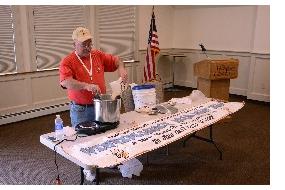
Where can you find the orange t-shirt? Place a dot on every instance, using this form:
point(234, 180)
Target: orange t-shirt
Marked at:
point(70, 66)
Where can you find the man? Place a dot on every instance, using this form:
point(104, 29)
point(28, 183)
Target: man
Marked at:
point(82, 74)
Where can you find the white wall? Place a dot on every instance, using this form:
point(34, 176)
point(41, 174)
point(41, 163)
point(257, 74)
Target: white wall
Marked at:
point(230, 28)
point(217, 27)
point(221, 28)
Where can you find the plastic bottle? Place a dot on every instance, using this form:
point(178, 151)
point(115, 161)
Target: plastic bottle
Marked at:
point(59, 133)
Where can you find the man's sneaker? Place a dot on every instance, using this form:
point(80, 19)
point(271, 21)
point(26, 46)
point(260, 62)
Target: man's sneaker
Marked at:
point(90, 175)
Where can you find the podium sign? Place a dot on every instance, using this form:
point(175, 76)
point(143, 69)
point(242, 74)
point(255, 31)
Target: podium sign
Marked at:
point(214, 77)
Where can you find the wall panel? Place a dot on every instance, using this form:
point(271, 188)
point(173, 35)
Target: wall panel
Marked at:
point(259, 78)
point(46, 89)
point(240, 84)
point(13, 94)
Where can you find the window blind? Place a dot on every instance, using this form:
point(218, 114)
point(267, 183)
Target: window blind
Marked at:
point(53, 27)
point(116, 27)
point(7, 41)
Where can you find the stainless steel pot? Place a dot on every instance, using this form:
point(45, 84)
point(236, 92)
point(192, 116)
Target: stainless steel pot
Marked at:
point(106, 109)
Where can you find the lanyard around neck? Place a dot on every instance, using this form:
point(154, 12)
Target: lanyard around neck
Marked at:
point(88, 71)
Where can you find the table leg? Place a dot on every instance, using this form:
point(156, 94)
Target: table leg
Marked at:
point(147, 158)
point(97, 179)
point(82, 176)
point(211, 140)
point(167, 150)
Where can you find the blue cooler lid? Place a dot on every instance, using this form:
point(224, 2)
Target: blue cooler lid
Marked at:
point(144, 86)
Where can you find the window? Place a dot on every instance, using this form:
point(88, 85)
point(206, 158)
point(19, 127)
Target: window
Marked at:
point(7, 41)
point(116, 28)
point(53, 27)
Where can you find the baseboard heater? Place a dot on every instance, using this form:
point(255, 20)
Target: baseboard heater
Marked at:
point(36, 112)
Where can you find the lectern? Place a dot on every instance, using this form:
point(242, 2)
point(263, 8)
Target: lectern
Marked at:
point(214, 76)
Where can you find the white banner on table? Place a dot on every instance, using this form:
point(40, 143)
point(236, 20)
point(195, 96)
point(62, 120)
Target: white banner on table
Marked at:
point(129, 143)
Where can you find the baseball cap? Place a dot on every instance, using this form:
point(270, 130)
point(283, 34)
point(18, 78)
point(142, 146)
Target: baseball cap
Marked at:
point(81, 34)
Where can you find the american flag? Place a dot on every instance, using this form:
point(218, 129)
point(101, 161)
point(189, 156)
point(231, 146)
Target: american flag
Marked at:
point(152, 51)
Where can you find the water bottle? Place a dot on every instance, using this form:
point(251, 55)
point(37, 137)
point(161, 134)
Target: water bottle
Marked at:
point(58, 128)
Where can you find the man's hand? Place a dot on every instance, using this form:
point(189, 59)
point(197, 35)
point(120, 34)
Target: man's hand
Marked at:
point(122, 72)
point(92, 88)
point(124, 75)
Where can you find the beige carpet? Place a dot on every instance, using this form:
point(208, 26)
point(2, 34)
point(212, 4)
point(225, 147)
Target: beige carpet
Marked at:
point(244, 143)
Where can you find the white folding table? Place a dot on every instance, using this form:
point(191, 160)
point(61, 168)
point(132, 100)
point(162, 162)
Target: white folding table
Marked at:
point(125, 123)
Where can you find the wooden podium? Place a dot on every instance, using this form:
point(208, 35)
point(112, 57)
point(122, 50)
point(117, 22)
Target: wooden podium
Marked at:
point(214, 77)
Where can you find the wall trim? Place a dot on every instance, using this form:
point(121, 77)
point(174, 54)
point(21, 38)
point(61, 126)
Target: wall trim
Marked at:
point(184, 83)
point(238, 91)
point(259, 97)
point(32, 113)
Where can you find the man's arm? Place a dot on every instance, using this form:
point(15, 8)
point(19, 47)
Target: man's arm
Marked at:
point(71, 83)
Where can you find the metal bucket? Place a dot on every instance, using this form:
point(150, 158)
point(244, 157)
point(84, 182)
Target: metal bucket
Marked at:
point(106, 109)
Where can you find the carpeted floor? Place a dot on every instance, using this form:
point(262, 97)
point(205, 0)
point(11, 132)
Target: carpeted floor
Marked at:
point(244, 142)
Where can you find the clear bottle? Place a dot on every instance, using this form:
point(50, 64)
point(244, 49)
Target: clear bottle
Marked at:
point(58, 128)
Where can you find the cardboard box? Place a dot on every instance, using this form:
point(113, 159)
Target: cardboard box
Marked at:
point(218, 89)
point(217, 69)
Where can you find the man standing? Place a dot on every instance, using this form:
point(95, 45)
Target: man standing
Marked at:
point(82, 74)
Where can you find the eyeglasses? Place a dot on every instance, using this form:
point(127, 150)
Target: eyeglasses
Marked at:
point(85, 46)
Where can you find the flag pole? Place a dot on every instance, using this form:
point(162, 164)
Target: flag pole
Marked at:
point(151, 25)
